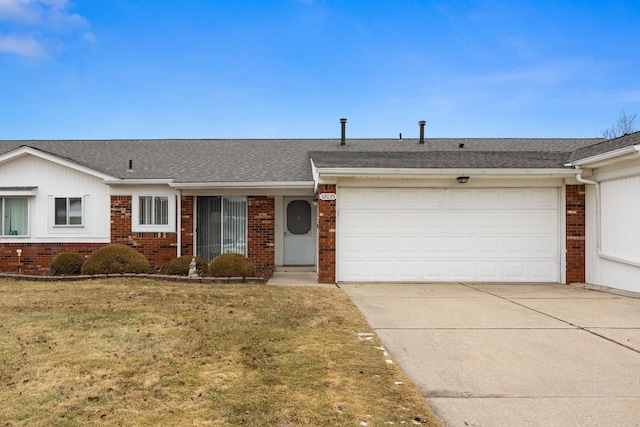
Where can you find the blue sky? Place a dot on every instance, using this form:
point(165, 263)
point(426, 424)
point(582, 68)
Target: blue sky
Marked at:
point(94, 69)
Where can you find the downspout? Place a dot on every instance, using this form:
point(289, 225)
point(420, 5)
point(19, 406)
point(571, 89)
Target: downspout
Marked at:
point(179, 224)
point(601, 254)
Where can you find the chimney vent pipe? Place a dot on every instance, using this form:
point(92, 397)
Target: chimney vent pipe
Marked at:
point(343, 138)
point(422, 123)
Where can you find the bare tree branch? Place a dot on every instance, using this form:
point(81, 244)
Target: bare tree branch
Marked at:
point(625, 124)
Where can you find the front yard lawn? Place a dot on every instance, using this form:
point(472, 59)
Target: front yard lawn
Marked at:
point(142, 352)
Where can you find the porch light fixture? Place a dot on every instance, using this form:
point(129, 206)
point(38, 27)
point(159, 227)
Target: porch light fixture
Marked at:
point(463, 179)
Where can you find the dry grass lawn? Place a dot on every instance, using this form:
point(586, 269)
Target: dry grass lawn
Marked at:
point(139, 352)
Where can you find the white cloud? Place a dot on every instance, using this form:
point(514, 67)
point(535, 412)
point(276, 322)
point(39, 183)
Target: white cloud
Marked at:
point(22, 46)
point(50, 19)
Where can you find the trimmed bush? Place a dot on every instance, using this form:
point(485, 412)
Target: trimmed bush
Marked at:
point(66, 263)
point(180, 266)
point(231, 265)
point(114, 259)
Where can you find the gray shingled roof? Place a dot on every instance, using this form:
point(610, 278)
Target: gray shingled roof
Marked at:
point(282, 160)
point(606, 146)
point(440, 159)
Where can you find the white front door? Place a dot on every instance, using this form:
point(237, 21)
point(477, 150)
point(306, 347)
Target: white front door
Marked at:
point(299, 231)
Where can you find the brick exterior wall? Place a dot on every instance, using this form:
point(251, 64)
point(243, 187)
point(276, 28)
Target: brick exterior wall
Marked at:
point(575, 238)
point(261, 229)
point(187, 228)
point(326, 236)
point(158, 248)
point(36, 257)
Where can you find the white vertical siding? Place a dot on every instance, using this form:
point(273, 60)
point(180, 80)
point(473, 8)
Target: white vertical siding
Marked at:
point(620, 207)
point(54, 180)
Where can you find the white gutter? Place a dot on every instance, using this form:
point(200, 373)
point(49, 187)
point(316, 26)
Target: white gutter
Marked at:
point(441, 172)
point(241, 185)
point(601, 254)
point(154, 181)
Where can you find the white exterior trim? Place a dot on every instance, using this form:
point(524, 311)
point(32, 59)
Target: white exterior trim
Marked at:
point(611, 155)
point(24, 151)
point(241, 185)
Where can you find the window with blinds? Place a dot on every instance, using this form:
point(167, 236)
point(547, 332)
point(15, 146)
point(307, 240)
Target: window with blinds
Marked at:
point(221, 226)
point(154, 210)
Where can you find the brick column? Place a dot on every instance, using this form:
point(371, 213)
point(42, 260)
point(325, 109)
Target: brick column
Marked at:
point(186, 230)
point(575, 230)
point(326, 236)
point(121, 219)
point(261, 229)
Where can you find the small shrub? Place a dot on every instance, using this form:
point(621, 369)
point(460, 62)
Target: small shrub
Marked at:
point(180, 266)
point(231, 265)
point(265, 270)
point(115, 258)
point(66, 263)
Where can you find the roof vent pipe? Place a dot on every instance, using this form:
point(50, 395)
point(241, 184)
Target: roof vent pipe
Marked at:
point(422, 123)
point(343, 138)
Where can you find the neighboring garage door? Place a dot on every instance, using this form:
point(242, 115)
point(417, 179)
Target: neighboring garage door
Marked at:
point(430, 234)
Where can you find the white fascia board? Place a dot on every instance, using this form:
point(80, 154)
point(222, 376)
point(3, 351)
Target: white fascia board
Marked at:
point(24, 151)
point(138, 181)
point(18, 191)
point(242, 185)
point(439, 173)
point(611, 155)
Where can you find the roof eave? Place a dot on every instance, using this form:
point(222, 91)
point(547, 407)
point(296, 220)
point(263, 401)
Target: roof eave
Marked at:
point(26, 151)
point(603, 158)
point(242, 185)
point(442, 172)
point(153, 181)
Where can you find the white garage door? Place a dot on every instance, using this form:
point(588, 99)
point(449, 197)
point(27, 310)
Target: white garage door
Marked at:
point(428, 234)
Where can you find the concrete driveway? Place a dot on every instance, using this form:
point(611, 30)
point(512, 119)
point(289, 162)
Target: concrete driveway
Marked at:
point(513, 354)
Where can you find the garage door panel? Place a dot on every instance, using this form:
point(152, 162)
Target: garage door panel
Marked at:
point(460, 199)
point(542, 199)
point(420, 234)
point(515, 270)
point(544, 221)
point(489, 270)
point(516, 198)
point(488, 245)
point(353, 198)
point(379, 222)
point(407, 270)
point(354, 221)
point(543, 245)
point(406, 198)
point(543, 270)
point(515, 222)
point(515, 245)
point(432, 198)
point(407, 245)
point(407, 221)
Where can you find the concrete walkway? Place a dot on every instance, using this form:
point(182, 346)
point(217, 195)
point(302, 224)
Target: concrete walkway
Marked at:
point(297, 278)
point(513, 354)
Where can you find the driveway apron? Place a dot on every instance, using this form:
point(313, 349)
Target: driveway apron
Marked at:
point(513, 354)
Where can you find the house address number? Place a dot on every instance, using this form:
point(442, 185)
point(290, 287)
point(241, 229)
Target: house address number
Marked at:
point(327, 196)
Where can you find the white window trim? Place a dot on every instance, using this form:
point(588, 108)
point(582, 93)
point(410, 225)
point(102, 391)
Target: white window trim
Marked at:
point(82, 213)
point(136, 227)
